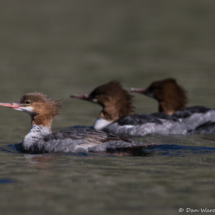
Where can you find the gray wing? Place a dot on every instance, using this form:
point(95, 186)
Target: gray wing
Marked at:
point(161, 115)
point(83, 140)
point(186, 112)
point(137, 119)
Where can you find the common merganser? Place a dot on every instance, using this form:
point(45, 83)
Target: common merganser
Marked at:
point(40, 138)
point(116, 116)
point(172, 100)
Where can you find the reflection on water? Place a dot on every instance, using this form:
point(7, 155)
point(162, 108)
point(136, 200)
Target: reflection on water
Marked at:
point(67, 47)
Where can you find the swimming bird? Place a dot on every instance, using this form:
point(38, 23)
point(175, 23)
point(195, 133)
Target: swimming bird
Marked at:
point(40, 138)
point(172, 100)
point(116, 115)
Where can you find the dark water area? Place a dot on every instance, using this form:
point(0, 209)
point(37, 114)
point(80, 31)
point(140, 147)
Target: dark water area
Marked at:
point(70, 47)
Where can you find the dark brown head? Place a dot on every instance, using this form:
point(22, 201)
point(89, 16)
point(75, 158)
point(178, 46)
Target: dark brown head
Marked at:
point(116, 101)
point(42, 109)
point(168, 93)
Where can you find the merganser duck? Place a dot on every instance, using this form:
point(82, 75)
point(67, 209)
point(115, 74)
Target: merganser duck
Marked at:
point(172, 100)
point(40, 138)
point(116, 116)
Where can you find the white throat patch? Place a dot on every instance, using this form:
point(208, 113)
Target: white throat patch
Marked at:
point(28, 110)
point(101, 123)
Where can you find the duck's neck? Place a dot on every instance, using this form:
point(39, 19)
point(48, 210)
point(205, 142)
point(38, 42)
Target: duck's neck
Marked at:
point(109, 114)
point(166, 108)
point(36, 132)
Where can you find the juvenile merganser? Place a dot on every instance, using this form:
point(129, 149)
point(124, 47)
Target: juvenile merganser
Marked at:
point(172, 100)
point(116, 117)
point(40, 138)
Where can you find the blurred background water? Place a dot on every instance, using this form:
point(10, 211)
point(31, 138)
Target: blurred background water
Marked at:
point(70, 47)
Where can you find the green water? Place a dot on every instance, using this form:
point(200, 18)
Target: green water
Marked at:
point(70, 47)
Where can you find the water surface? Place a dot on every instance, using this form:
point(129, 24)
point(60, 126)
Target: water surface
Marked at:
point(70, 47)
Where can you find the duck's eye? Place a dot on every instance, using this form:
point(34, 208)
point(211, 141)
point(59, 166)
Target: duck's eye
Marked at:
point(96, 94)
point(27, 102)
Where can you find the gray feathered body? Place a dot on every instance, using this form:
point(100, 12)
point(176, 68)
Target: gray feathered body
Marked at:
point(143, 124)
point(81, 140)
point(196, 116)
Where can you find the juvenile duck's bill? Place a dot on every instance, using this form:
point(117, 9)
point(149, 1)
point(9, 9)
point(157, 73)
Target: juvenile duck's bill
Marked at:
point(138, 90)
point(83, 97)
point(10, 105)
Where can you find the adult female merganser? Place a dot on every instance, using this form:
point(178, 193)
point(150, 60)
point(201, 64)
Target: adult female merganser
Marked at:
point(40, 138)
point(116, 117)
point(172, 100)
